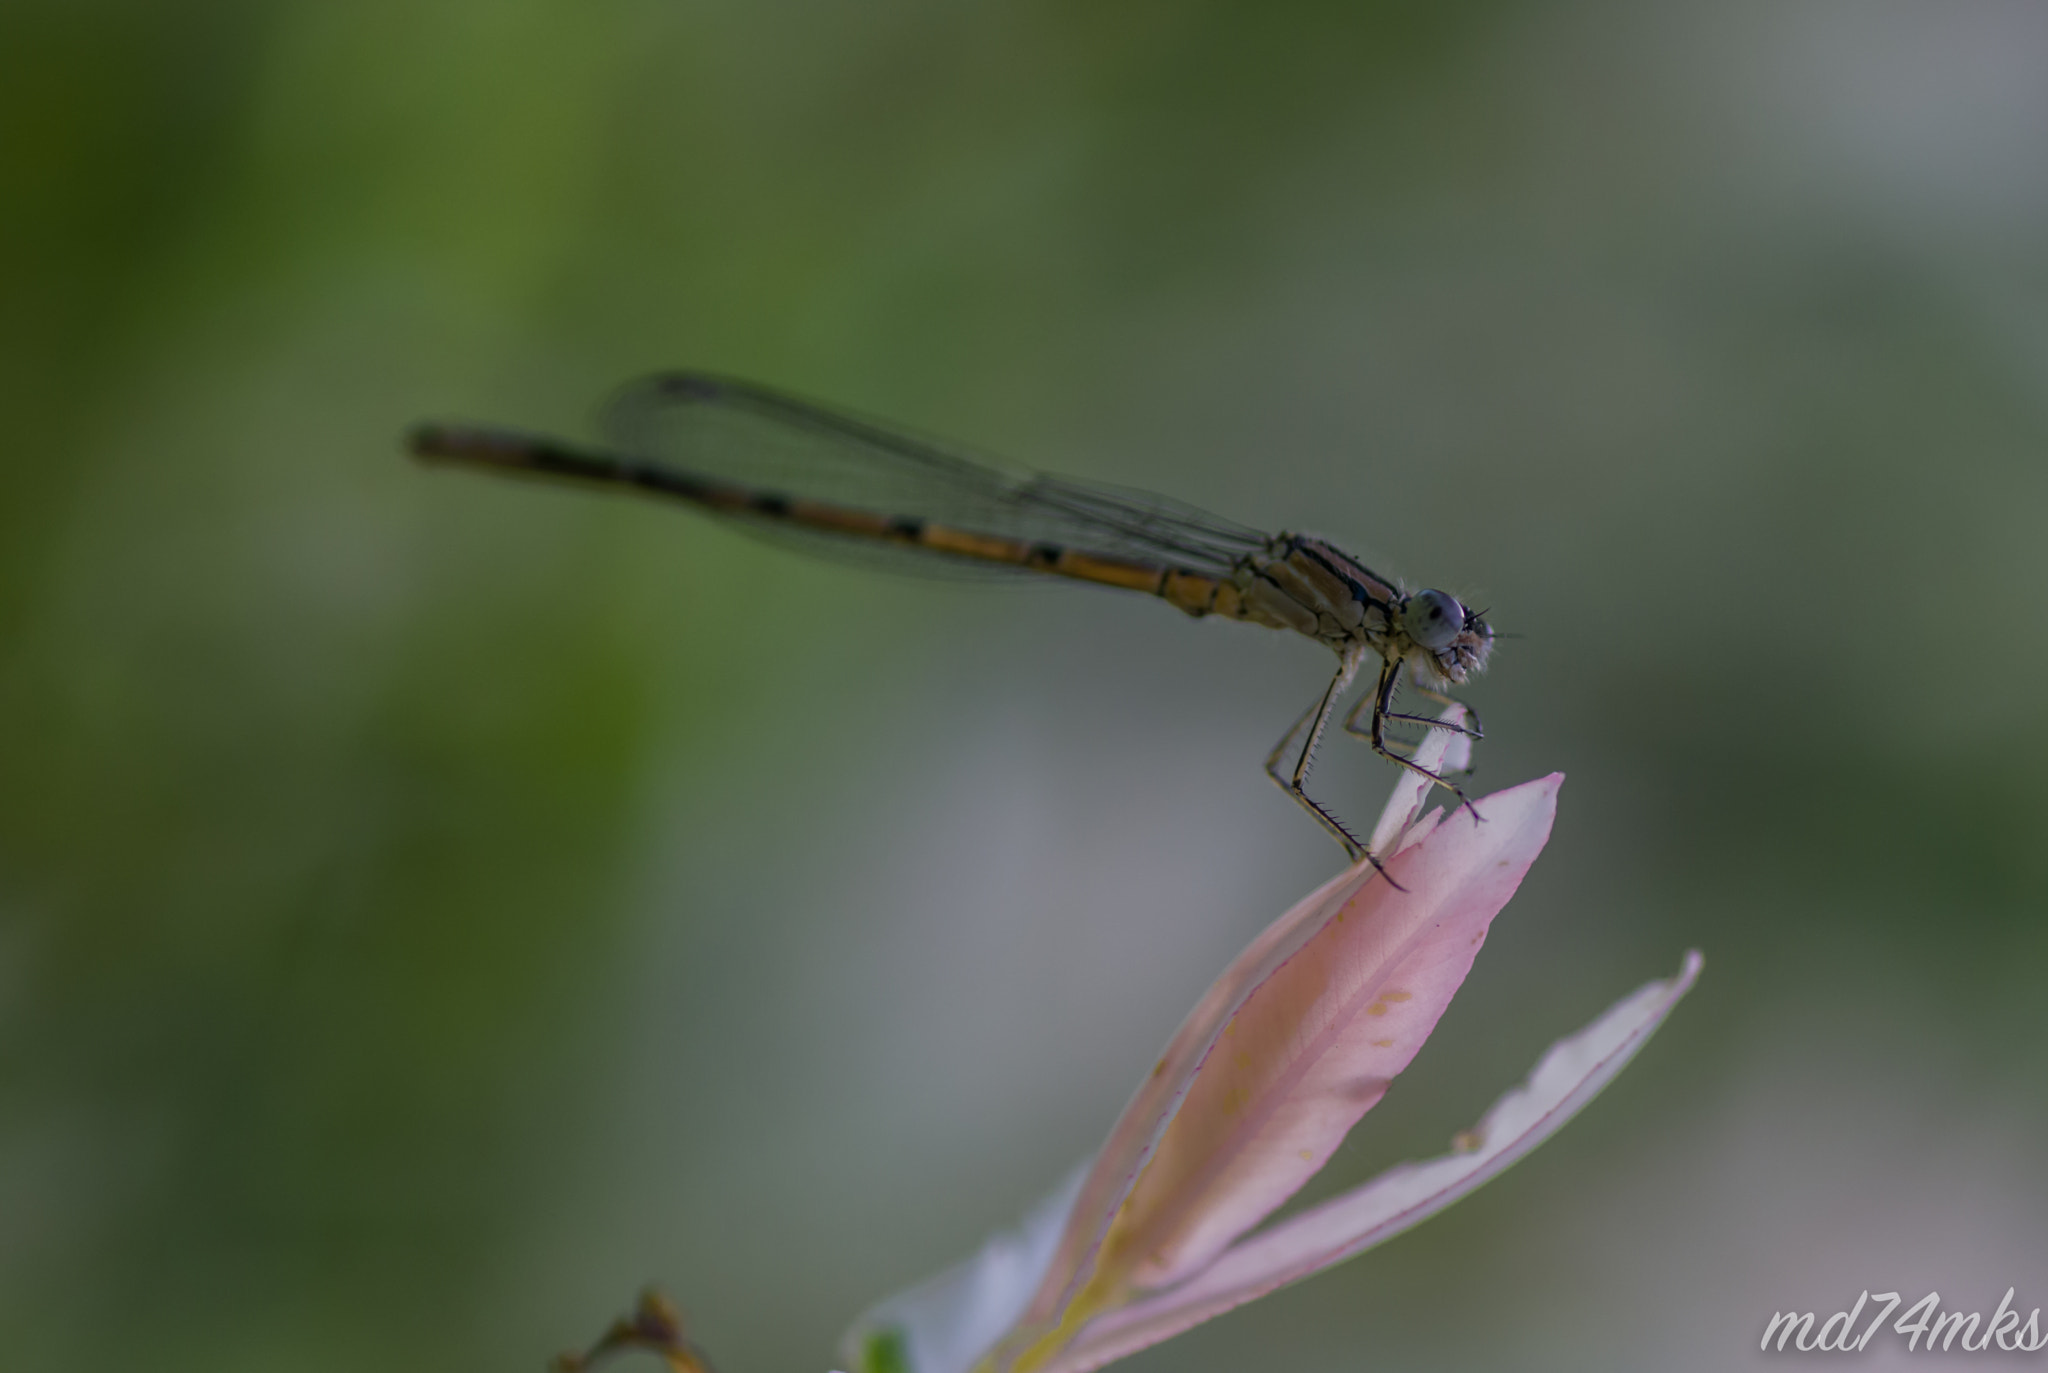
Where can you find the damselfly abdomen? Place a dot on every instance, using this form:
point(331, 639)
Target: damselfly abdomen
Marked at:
point(798, 470)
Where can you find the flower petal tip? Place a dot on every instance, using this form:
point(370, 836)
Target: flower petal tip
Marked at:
point(1689, 972)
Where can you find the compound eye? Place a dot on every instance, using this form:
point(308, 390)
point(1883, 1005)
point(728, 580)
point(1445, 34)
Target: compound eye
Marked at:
point(1432, 619)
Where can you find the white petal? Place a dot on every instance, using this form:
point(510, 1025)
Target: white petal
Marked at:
point(1440, 749)
point(946, 1322)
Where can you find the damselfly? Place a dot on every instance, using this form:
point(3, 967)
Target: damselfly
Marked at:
point(793, 469)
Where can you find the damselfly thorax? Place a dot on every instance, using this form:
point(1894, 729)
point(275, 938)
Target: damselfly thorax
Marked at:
point(800, 472)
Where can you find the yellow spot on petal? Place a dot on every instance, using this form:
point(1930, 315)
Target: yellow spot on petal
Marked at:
point(1383, 1044)
point(1308, 1155)
point(1396, 996)
point(1465, 1141)
point(1159, 1068)
point(1377, 1008)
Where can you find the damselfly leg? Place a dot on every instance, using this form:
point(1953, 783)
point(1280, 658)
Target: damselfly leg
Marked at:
point(1313, 721)
point(1381, 700)
point(1472, 729)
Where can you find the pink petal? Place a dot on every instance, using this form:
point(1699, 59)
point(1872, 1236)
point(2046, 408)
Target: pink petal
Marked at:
point(1138, 1129)
point(1569, 1075)
point(1315, 1045)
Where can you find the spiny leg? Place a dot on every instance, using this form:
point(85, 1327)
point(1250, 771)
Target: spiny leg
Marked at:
point(1407, 749)
point(1318, 709)
point(1381, 700)
point(1314, 719)
point(1473, 730)
point(1273, 758)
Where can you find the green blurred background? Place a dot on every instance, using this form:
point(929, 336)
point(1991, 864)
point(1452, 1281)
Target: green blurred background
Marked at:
point(431, 908)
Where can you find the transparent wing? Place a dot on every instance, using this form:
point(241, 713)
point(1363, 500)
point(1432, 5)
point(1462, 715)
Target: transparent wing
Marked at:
point(852, 550)
point(747, 435)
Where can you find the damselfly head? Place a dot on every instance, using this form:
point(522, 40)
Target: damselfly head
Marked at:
point(1451, 642)
point(1432, 619)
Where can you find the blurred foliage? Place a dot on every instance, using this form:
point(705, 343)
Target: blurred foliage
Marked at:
point(429, 910)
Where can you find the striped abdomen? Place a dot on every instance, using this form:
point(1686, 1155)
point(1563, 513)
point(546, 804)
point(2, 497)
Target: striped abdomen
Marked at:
point(1195, 592)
